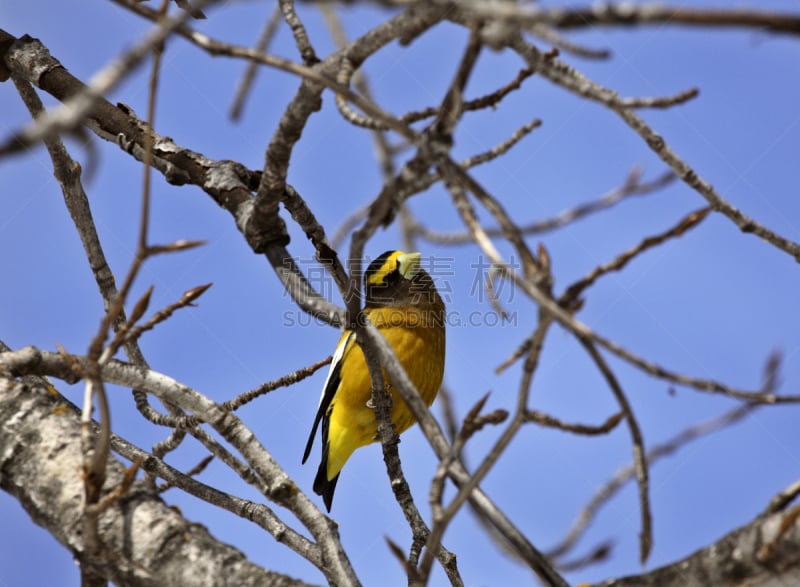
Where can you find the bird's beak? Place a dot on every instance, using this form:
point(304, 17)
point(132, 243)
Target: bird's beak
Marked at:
point(408, 264)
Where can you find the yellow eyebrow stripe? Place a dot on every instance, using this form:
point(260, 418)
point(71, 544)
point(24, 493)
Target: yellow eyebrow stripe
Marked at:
point(388, 267)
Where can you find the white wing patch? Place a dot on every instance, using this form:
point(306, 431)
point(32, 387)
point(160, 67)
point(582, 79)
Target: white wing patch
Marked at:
point(337, 358)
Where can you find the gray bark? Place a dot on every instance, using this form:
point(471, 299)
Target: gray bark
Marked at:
point(145, 542)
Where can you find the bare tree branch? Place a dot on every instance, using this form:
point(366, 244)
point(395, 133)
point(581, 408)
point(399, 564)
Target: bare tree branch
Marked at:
point(761, 553)
point(108, 530)
point(42, 429)
point(266, 475)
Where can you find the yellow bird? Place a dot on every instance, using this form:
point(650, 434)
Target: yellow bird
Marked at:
point(402, 302)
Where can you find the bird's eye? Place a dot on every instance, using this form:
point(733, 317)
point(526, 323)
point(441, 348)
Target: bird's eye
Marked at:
point(392, 277)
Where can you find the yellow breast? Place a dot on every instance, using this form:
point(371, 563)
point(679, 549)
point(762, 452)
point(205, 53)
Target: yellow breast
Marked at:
point(419, 345)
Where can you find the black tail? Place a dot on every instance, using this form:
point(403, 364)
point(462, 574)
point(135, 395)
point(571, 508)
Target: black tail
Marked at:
point(322, 486)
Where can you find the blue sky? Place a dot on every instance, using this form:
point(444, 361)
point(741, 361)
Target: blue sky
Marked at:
point(712, 304)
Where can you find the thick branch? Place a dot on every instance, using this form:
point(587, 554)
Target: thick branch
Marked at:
point(631, 14)
point(763, 553)
point(145, 542)
point(273, 483)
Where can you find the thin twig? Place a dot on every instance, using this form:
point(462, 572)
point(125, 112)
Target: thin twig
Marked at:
point(488, 101)
point(686, 223)
point(299, 32)
point(548, 421)
point(251, 68)
point(531, 268)
point(582, 331)
point(503, 147)
point(659, 451)
point(571, 80)
point(442, 517)
point(551, 36)
point(661, 101)
point(639, 458)
point(631, 187)
point(264, 388)
point(782, 500)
